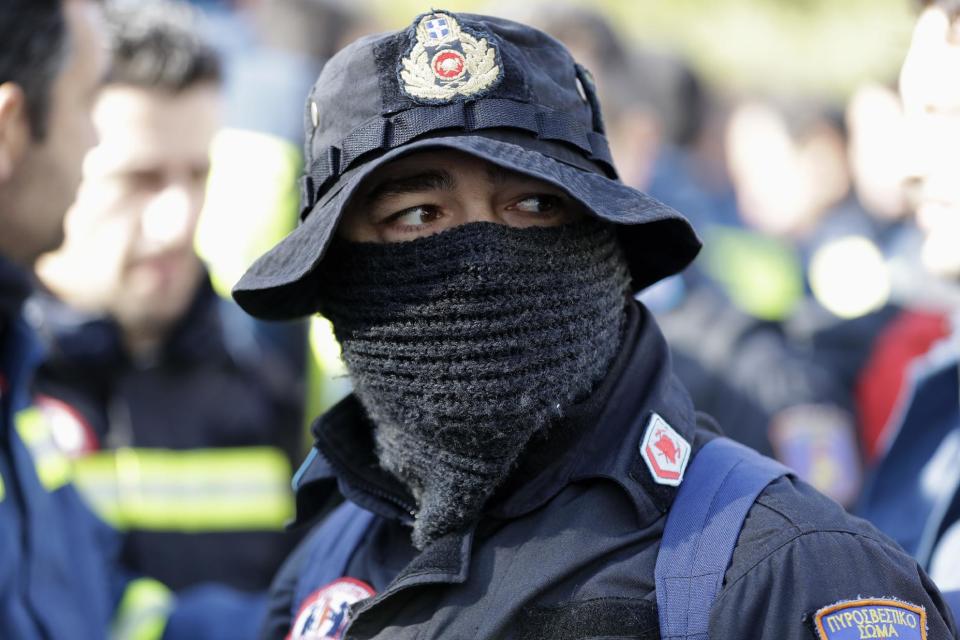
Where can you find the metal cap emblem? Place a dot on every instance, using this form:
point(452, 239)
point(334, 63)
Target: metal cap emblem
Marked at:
point(446, 61)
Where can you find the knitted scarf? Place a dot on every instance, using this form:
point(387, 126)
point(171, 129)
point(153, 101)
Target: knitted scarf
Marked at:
point(465, 344)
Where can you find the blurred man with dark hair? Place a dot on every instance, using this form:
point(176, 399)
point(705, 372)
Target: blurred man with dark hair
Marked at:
point(59, 570)
point(54, 581)
point(914, 493)
point(148, 366)
point(50, 67)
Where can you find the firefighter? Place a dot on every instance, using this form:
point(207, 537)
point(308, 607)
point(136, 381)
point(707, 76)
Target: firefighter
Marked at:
point(517, 458)
point(148, 368)
point(60, 570)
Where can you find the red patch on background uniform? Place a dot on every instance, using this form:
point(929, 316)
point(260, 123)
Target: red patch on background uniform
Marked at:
point(880, 384)
point(665, 451)
point(325, 613)
point(70, 431)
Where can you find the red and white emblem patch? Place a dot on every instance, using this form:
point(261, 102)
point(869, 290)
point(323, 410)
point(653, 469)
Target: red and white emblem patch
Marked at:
point(665, 452)
point(449, 64)
point(70, 431)
point(325, 613)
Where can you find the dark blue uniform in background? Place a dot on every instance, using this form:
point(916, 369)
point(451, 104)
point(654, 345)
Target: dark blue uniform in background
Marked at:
point(913, 494)
point(213, 425)
point(56, 558)
point(60, 569)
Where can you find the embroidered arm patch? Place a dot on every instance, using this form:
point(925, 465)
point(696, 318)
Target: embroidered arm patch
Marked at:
point(871, 618)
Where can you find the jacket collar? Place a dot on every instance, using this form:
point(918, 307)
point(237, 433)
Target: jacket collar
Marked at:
point(96, 341)
point(14, 290)
point(601, 440)
point(20, 351)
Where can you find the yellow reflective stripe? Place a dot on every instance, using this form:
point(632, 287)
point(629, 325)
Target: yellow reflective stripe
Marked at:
point(3, 489)
point(188, 490)
point(52, 465)
point(143, 611)
point(761, 275)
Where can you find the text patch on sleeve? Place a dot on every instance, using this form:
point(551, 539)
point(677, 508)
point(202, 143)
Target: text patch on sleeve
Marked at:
point(871, 618)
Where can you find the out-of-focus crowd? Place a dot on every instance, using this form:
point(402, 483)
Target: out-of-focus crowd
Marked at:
point(816, 325)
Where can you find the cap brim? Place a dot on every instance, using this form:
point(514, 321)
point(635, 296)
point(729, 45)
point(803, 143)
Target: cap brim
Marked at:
point(657, 240)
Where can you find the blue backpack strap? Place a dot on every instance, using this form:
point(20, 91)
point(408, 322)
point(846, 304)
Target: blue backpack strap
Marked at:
point(721, 484)
point(332, 544)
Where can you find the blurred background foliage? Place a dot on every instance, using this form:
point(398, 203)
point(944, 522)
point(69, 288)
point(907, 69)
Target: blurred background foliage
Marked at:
point(817, 47)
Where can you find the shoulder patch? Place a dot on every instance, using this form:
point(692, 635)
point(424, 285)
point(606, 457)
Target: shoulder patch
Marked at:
point(871, 618)
point(69, 429)
point(325, 613)
point(447, 61)
point(665, 451)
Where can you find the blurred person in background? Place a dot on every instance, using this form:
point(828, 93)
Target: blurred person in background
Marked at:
point(921, 301)
point(182, 420)
point(787, 160)
point(739, 369)
point(61, 576)
point(913, 493)
point(52, 60)
point(795, 170)
point(873, 308)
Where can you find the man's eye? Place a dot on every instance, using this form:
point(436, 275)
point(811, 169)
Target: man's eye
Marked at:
point(414, 216)
point(145, 180)
point(542, 203)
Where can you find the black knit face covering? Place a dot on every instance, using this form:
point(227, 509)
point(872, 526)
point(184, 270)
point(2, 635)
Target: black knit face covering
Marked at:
point(464, 344)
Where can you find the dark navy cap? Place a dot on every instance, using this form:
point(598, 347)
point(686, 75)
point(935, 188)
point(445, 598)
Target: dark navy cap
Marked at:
point(496, 89)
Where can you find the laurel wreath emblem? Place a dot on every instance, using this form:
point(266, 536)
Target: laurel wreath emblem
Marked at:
point(481, 65)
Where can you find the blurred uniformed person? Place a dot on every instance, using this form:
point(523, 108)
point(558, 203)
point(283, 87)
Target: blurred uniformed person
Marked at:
point(518, 460)
point(55, 557)
point(183, 420)
point(61, 574)
point(914, 492)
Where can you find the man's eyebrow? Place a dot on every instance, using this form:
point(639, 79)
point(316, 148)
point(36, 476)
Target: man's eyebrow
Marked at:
point(439, 180)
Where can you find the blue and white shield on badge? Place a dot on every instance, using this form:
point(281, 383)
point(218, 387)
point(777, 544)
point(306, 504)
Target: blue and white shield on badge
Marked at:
point(437, 29)
point(871, 618)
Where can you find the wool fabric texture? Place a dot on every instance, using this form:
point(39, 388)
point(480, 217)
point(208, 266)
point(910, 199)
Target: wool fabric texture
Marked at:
point(465, 344)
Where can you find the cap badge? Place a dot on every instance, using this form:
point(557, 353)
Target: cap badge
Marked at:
point(446, 62)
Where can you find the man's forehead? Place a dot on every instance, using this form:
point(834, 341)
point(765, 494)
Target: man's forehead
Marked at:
point(447, 163)
point(141, 130)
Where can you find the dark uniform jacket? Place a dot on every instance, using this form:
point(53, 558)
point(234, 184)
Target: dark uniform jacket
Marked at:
point(900, 498)
point(57, 577)
point(567, 548)
point(210, 427)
